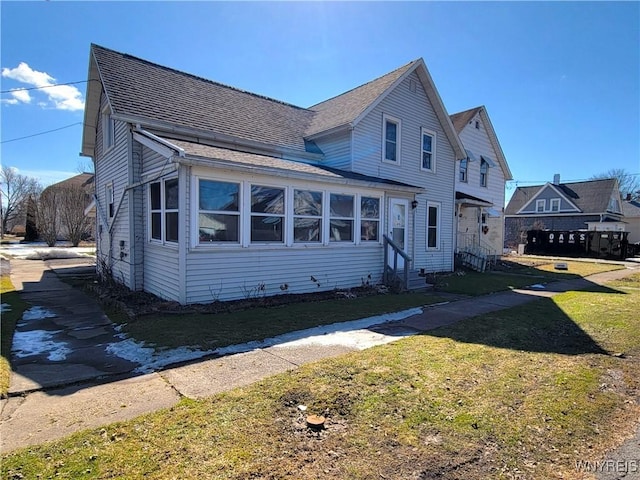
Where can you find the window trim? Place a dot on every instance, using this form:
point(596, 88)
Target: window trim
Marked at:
point(250, 213)
point(295, 216)
point(109, 200)
point(197, 212)
point(432, 134)
point(353, 218)
point(361, 218)
point(108, 129)
point(553, 201)
point(542, 202)
point(163, 213)
point(438, 226)
point(389, 119)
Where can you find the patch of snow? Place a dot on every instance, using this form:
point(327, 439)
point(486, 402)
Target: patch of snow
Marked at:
point(150, 359)
point(38, 342)
point(5, 307)
point(35, 313)
point(40, 251)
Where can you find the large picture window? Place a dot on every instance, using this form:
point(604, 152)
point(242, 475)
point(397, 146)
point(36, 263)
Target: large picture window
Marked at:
point(341, 218)
point(369, 219)
point(218, 211)
point(163, 198)
point(267, 214)
point(307, 216)
point(433, 225)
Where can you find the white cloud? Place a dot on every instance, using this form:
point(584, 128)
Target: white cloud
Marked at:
point(63, 97)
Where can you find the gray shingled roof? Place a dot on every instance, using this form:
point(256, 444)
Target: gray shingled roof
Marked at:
point(249, 160)
point(631, 208)
point(347, 107)
point(590, 197)
point(461, 119)
point(140, 88)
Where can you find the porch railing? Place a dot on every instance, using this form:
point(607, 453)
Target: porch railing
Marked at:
point(474, 253)
point(391, 276)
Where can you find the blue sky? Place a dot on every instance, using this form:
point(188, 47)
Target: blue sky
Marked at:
point(560, 80)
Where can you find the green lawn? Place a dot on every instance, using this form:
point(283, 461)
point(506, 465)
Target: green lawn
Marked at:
point(521, 393)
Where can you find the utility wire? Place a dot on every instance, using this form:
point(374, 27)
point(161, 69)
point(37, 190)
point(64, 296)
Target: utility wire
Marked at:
point(41, 133)
point(44, 86)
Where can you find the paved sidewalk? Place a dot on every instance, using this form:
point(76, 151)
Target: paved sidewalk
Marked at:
point(39, 411)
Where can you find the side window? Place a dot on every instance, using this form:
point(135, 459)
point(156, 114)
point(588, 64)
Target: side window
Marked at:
point(108, 129)
point(307, 216)
point(369, 219)
point(463, 170)
point(390, 139)
point(218, 211)
point(428, 150)
point(433, 225)
point(163, 206)
point(484, 172)
point(341, 218)
point(109, 200)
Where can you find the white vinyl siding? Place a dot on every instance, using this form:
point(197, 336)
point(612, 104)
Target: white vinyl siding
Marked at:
point(336, 149)
point(108, 129)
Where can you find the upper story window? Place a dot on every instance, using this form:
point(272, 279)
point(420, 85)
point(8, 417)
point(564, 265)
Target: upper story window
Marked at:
point(390, 139)
point(428, 150)
point(555, 204)
point(218, 211)
point(464, 165)
point(541, 205)
point(484, 172)
point(341, 217)
point(163, 198)
point(108, 129)
point(267, 214)
point(307, 216)
point(369, 219)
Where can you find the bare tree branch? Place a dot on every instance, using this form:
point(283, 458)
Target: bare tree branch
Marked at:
point(15, 190)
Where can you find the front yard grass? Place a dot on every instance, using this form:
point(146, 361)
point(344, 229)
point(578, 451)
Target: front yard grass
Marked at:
point(9, 318)
point(209, 331)
point(523, 393)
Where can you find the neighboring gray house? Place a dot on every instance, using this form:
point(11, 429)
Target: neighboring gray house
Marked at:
point(205, 192)
point(590, 205)
point(631, 211)
point(480, 184)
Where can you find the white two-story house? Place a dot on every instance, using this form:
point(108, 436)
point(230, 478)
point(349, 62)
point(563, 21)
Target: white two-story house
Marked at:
point(205, 192)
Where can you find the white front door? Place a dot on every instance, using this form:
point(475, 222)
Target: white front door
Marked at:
point(398, 229)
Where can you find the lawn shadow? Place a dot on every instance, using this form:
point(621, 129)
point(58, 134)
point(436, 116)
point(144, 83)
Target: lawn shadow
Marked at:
point(533, 322)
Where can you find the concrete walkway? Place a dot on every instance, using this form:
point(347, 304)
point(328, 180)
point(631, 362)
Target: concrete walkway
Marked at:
point(50, 399)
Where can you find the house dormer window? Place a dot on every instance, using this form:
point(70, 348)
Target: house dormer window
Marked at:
point(108, 129)
point(464, 163)
point(484, 172)
point(390, 139)
point(428, 150)
point(541, 206)
point(555, 204)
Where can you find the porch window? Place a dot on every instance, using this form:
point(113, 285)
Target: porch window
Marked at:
point(369, 219)
point(307, 216)
point(433, 225)
point(267, 214)
point(163, 198)
point(484, 172)
point(464, 164)
point(341, 217)
point(218, 211)
point(390, 139)
point(428, 150)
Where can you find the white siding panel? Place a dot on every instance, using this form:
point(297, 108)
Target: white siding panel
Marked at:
point(415, 111)
point(112, 168)
point(161, 271)
point(238, 273)
point(337, 150)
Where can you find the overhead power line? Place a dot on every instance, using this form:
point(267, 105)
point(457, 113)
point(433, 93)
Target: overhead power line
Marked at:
point(41, 133)
point(44, 86)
